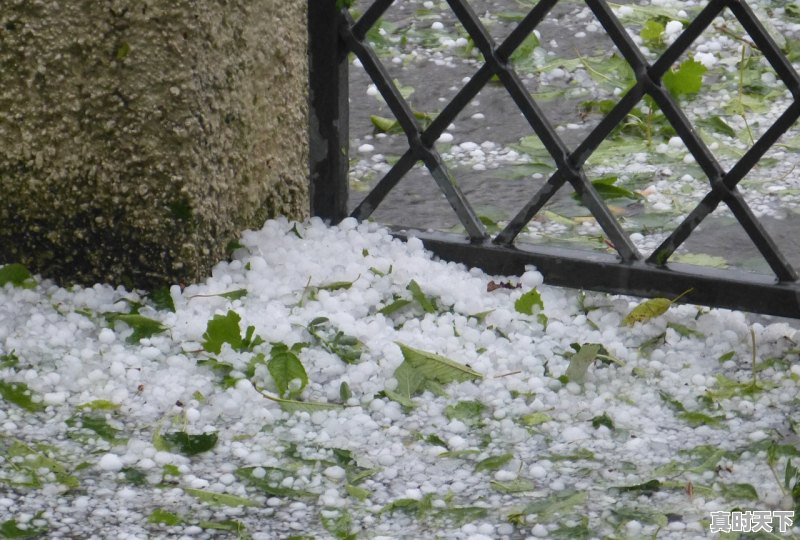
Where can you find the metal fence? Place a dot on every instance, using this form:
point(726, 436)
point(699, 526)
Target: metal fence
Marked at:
point(334, 35)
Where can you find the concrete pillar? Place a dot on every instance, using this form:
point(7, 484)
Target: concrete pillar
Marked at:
point(139, 137)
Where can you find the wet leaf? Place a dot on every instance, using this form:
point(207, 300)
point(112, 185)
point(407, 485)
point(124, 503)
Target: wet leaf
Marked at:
point(534, 419)
point(651, 33)
point(219, 499)
point(162, 299)
point(285, 367)
point(19, 394)
point(686, 80)
point(739, 492)
point(437, 368)
point(16, 274)
point(650, 309)
point(719, 125)
point(493, 463)
point(143, 327)
point(395, 306)
point(190, 445)
point(96, 423)
point(270, 483)
point(468, 411)
point(603, 420)
point(646, 488)
point(230, 525)
point(427, 303)
point(519, 485)
point(580, 361)
point(528, 301)
point(344, 392)
point(358, 492)
point(99, 405)
point(560, 504)
point(159, 515)
point(292, 406)
point(11, 529)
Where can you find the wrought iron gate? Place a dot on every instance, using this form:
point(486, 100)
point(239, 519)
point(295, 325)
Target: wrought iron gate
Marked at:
point(334, 35)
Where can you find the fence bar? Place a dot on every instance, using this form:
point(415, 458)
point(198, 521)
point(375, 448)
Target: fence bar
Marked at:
point(577, 269)
point(328, 112)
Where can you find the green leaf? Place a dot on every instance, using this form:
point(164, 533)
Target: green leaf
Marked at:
point(718, 124)
point(739, 492)
point(99, 405)
point(159, 515)
point(684, 331)
point(96, 423)
point(234, 295)
point(18, 394)
point(336, 286)
point(493, 463)
point(650, 309)
point(409, 381)
point(651, 33)
point(528, 301)
point(134, 476)
point(468, 411)
point(344, 392)
point(607, 190)
point(162, 299)
point(519, 485)
point(143, 327)
point(394, 307)
point(358, 492)
point(190, 445)
point(695, 419)
point(285, 367)
point(230, 525)
point(534, 419)
point(625, 515)
point(9, 360)
point(292, 406)
point(270, 483)
point(437, 368)
point(686, 80)
point(339, 526)
point(427, 303)
point(16, 274)
point(219, 499)
point(10, 529)
point(580, 361)
point(560, 504)
point(525, 49)
point(647, 488)
point(223, 329)
point(385, 125)
point(603, 420)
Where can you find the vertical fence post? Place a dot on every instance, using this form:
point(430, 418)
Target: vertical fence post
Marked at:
point(328, 112)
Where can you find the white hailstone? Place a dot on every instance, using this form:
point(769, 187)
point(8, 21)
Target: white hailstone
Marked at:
point(366, 148)
point(107, 335)
point(706, 58)
point(446, 138)
point(55, 398)
point(437, 26)
point(334, 472)
point(531, 278)
point(673, 27)
point(110, 462)
point(573, 433)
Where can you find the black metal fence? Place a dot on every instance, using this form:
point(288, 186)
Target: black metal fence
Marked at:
point(334, 35)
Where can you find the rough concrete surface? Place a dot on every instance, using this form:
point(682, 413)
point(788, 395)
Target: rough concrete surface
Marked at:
point(139, 137)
